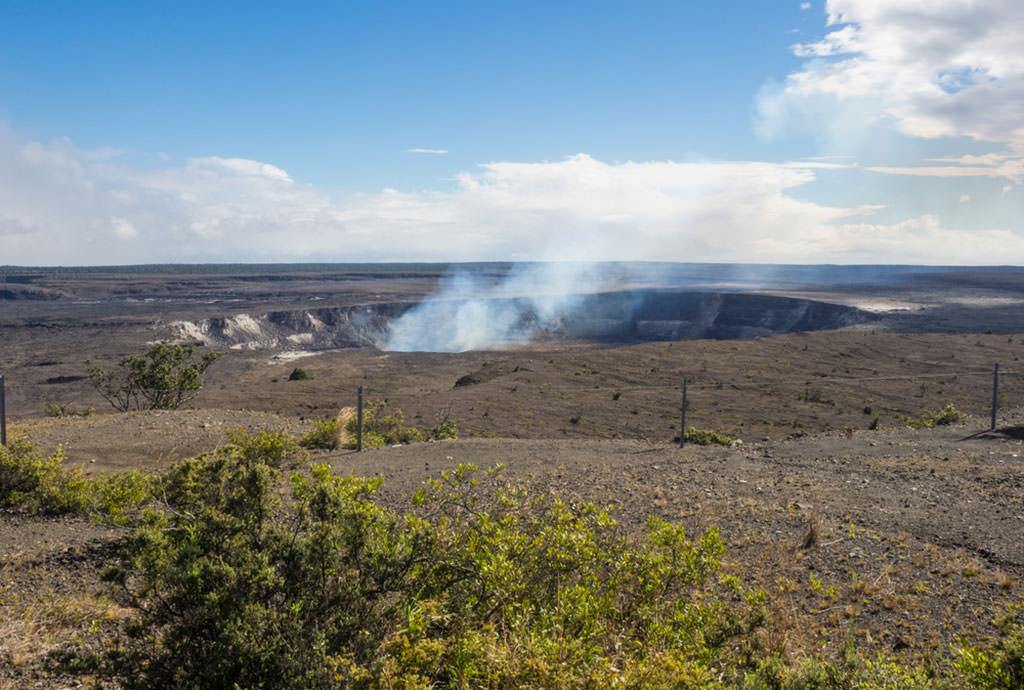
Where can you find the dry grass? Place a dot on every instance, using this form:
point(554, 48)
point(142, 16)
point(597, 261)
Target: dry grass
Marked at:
point(345, 415)
point(30, 628)
point(37, 623)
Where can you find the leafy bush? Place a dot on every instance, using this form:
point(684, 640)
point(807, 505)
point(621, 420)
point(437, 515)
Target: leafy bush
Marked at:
point(298, 375)
point(115, 497)
point(29, 481)
point(276, 449)
point(706, 437)
point(380, 429)
point(324, 435)
point(39, 484)
point(1001, 668)
point(163, 378)
point(491, 588)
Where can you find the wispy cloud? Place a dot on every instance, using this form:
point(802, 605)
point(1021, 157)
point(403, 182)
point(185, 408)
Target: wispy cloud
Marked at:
point(436, 151)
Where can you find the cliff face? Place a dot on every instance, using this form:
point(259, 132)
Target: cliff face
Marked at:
point(617, 316)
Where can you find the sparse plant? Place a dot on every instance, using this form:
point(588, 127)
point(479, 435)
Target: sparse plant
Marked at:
point(67, 410)
point(813, 395)
point(1001, 668)
point(446, 430)
point(947, 415)
point(163, 378)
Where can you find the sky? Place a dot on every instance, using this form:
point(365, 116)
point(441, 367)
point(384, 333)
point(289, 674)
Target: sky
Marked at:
point(758, 131)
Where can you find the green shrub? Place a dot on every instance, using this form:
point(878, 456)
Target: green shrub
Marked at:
point(39, 484)
point(478, 587)
point(298, 375)
point(274, 448)
point(999, 669)
point(114, 497)
point(323, 436)
point(380, 429)
point(706, 437)
point(34, 483)
point(947, 415)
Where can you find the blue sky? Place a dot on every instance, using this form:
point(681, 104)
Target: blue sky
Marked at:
point(731, 131)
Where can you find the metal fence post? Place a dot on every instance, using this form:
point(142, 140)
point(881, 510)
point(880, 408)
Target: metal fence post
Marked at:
point(995, 395)
point(359, 422)
point(682, 427)
point(3, 412)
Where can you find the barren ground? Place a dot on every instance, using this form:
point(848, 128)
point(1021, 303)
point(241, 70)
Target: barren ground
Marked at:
point(915, 533)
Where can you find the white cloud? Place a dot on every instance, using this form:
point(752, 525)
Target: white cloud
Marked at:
point(241, 166)
point(123, 228)
point(937, 67)
point(926, 68)
point(964, 198)
point(62, 205)
point(805, 5)
point(436, 151)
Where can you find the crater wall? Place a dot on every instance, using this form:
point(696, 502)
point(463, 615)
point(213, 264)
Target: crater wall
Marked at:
point(626, 316)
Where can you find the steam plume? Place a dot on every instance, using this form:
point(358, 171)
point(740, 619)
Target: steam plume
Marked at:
point(476, 312)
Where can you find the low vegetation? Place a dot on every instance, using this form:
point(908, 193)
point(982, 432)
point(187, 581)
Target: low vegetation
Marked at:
point(36, 483)
point(705, 437)
point(235, 588)
point(67, 410)
point(242, 574)
point(384, 427)
point(324, 436)
point(947, 415)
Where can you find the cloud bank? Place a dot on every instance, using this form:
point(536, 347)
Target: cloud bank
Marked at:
point(63, 205)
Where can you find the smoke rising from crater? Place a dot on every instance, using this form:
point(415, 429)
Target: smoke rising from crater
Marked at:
point(480, 311)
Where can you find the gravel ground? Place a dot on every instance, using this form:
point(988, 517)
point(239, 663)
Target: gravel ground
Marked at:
point(902, 539)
